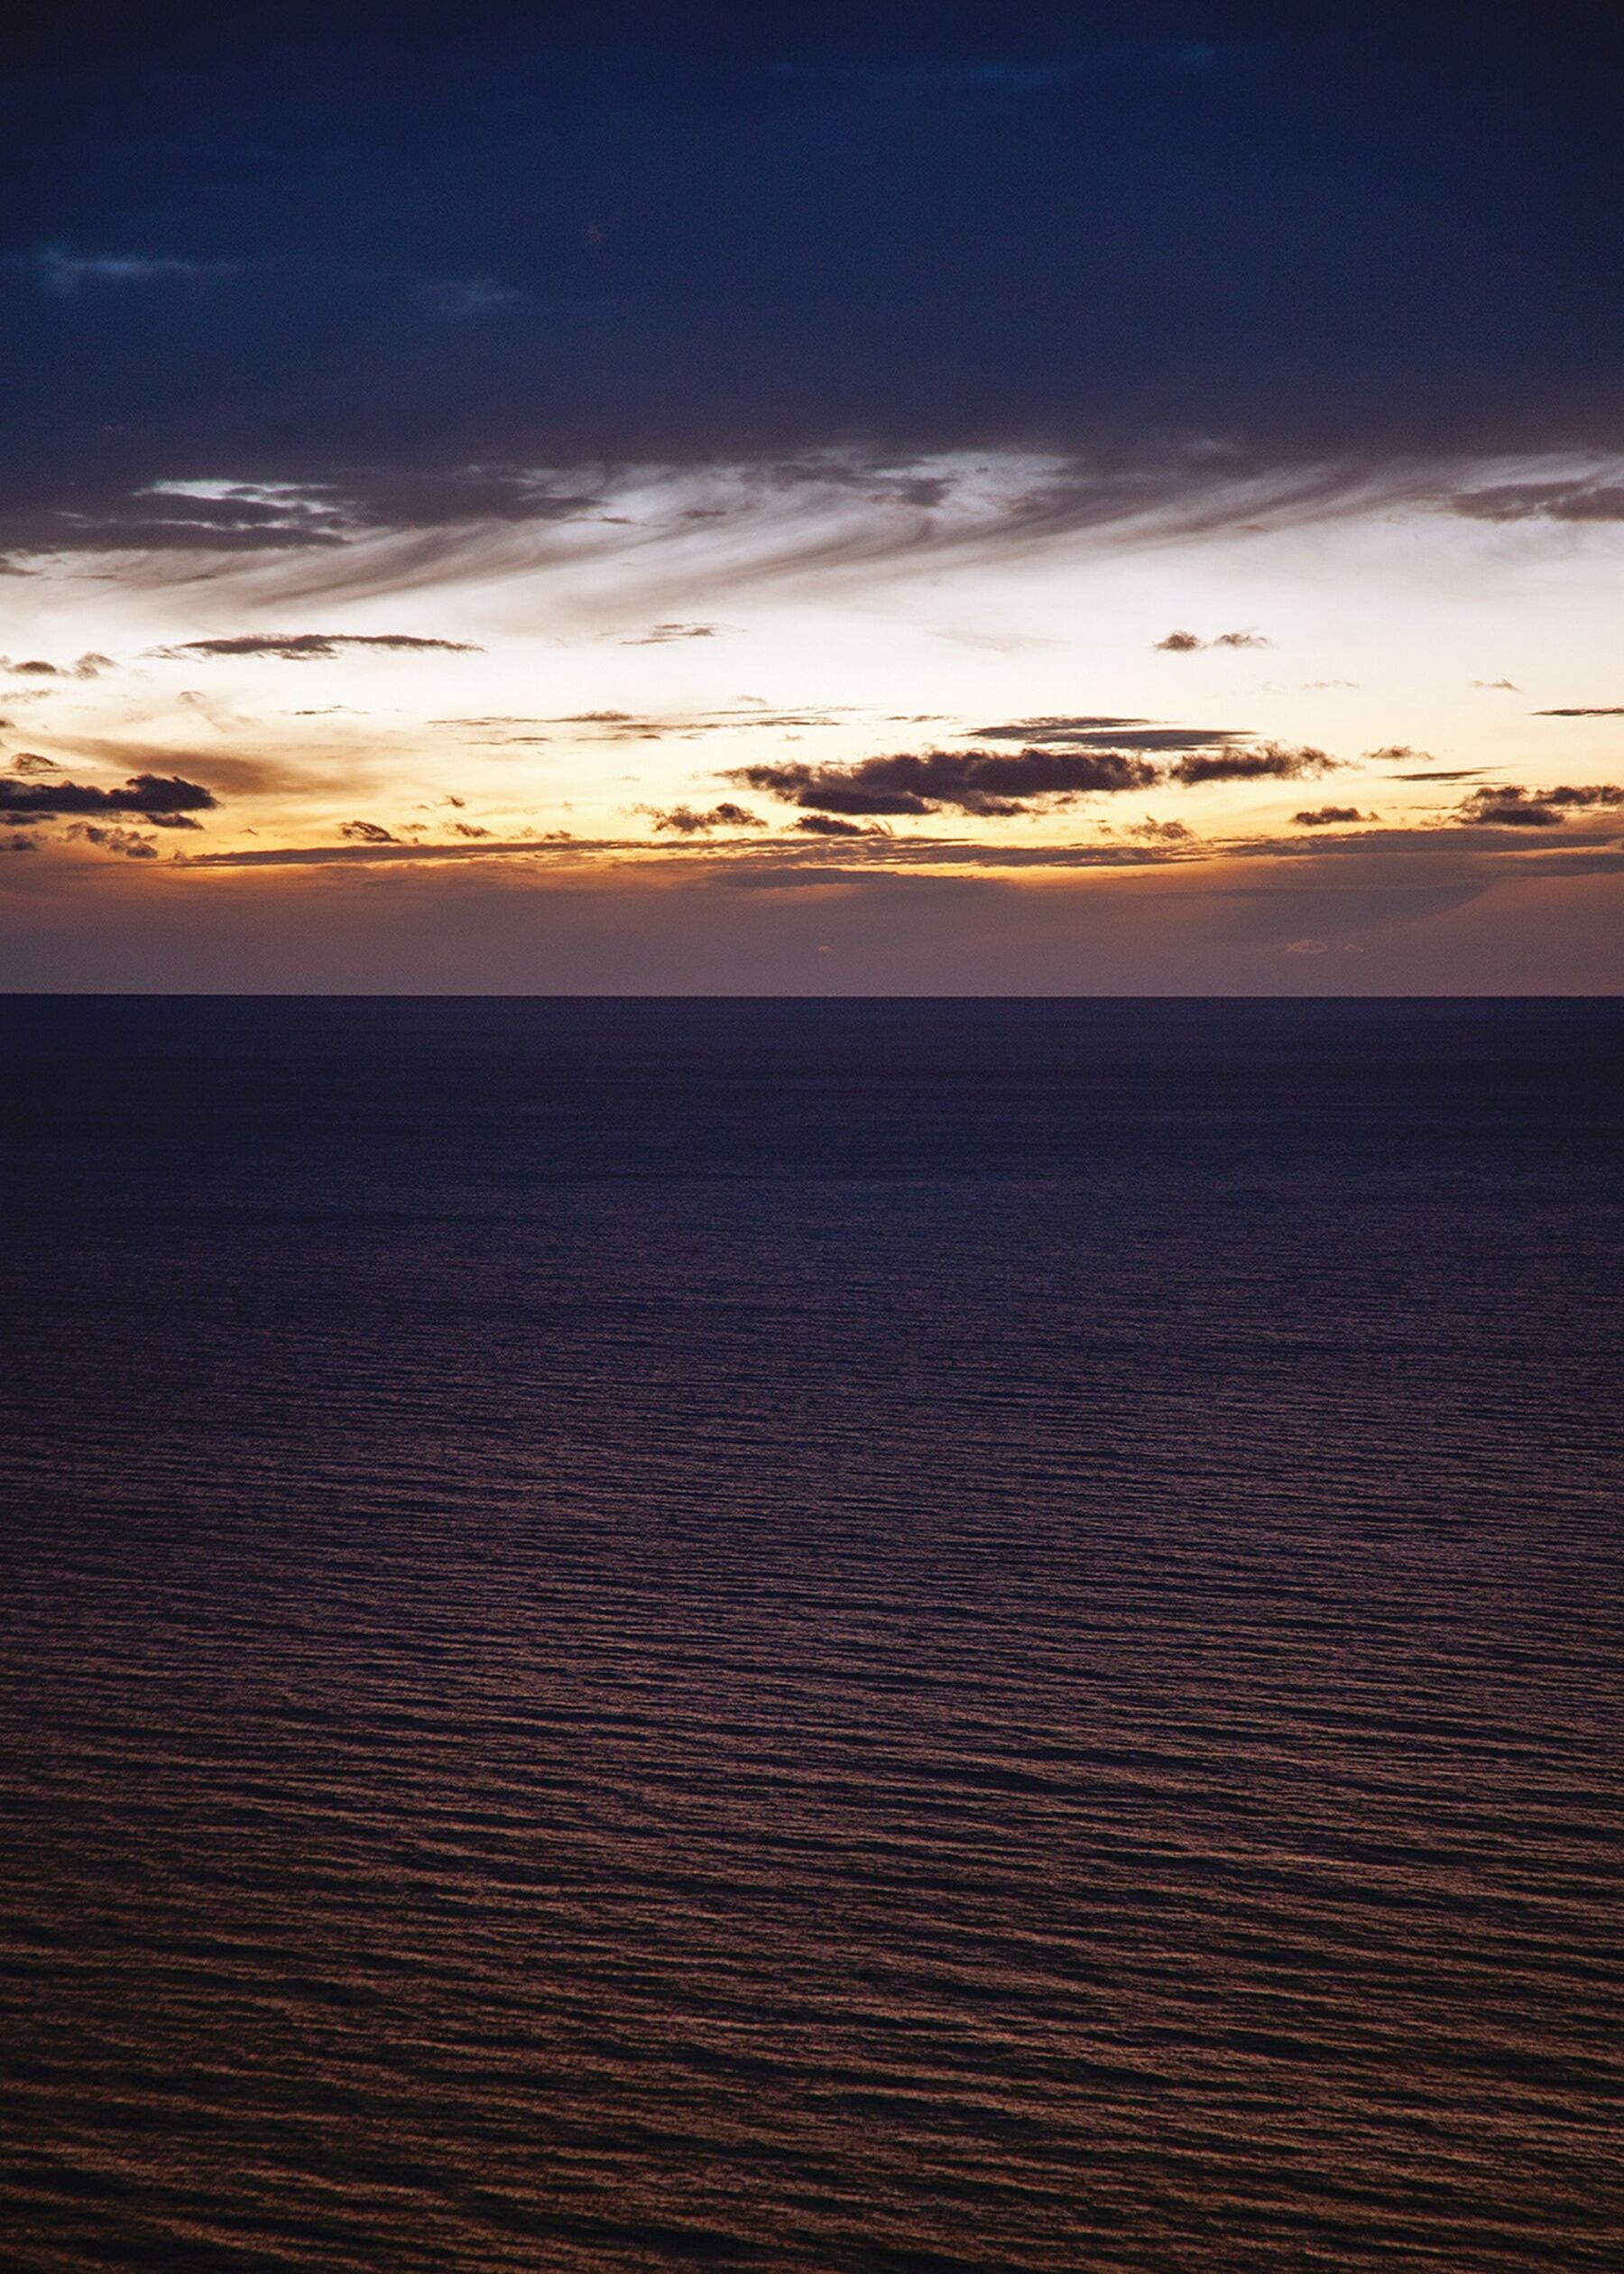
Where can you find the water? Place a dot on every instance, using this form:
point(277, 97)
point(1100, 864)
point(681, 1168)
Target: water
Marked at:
point(915, 1636)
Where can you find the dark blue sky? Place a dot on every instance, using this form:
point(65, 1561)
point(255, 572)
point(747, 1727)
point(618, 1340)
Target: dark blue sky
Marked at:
point(380, 245)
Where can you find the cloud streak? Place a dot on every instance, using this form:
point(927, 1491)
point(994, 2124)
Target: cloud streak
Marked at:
point(312, 647)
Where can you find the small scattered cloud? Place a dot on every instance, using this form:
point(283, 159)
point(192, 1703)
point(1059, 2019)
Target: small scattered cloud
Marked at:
point(1328, 817)
point(1585, 710)
point(1151, 832)
point(468, 829)
point(309, 647)
point(1510, 806)
point(33, 763)
point(660, 633)
point(19, 843)
point(129, 843)
point(685, 822)
point(1399, 755)
point(367, 833)
point(1307, 947)
point(1499, 687)
point(88, 667)
point(1192, 644)
point(830, 825)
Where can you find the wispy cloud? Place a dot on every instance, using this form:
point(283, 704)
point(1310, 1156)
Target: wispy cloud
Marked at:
point(65, 272)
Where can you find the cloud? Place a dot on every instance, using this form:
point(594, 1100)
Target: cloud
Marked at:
point(391, 849)
point(18, 843)
point(1543, 501)
point(163, 798)
point(828, 825)
point(1327, 816)
point(1499, 687)
point(1307, 947)
point(1510, 806)
point(1191, 644)
point(1162, 832)
point(685, 822)
point(1109, 733)
point(472, 296)
point(128, 842)
point(662, 633)
point(1588, 710)
point(63, 273)
point(367, 833)
point(978, 781)
point(32, 763)
point(306, 647)
point(335, 509)
point(1272, 762)
point(467, 829)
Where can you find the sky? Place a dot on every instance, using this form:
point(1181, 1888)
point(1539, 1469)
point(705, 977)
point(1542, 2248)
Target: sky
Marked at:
point(921, 499)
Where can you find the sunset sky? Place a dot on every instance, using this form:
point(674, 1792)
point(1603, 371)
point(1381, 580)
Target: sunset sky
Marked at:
point(919, 499)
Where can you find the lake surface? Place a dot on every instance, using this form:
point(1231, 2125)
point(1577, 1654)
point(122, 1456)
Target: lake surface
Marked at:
point(913, 1636)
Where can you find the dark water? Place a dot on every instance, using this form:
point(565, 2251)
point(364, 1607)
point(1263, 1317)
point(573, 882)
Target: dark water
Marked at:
point(908, 1636)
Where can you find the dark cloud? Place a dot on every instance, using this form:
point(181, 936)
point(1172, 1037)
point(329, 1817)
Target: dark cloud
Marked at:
point(127, 842)
point(1327, 816)
point(467, 829)
point(1510, 806)
point(18, 843)
point(1357, 237)
point(1180, 644)
point(685, 822)
point(964, 780)
point(1588, 710)
point(1162, 832)
point(368, 833)
point(304, 647)
point(829, 825)
point(1272, 762)
point(30, 762)
point(163, 798)
point(1396, 754)
point(1242, 639)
